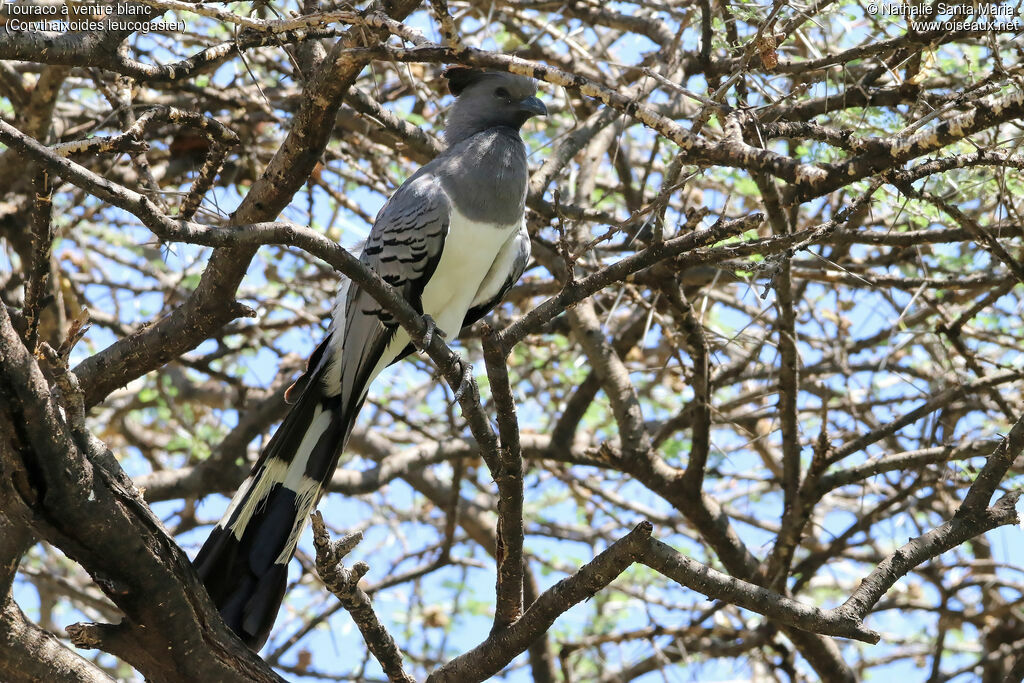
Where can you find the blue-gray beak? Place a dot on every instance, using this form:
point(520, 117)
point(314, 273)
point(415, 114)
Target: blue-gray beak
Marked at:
point(532, 106)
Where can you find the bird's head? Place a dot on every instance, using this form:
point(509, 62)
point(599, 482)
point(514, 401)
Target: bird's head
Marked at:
point(488, 99)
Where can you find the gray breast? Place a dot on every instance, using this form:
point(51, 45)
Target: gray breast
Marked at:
point(485, 176)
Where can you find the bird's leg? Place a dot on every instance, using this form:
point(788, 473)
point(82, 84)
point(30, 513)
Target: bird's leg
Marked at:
point(432, 328)
point(467, 377)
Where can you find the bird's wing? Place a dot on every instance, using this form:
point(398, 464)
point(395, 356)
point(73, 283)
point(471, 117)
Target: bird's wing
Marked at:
point(404, 248)
point(508, 267)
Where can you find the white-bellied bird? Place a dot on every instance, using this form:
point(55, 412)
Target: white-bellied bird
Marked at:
point(452, 241)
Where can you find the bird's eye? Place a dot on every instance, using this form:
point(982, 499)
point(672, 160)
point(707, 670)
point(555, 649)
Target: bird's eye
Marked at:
point(502, 93)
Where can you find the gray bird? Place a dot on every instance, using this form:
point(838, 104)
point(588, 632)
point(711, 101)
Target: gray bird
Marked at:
point(452, 241)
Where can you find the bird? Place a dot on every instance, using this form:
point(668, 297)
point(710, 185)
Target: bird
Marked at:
point(452, 240)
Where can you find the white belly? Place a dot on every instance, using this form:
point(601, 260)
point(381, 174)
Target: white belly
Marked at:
point(470, 249)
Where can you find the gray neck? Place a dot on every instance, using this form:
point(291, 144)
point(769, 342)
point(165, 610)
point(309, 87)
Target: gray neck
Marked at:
point(464, 122)
point(485, 174)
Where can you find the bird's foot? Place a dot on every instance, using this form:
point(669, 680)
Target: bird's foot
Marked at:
point(467, 378)
point(432, 329)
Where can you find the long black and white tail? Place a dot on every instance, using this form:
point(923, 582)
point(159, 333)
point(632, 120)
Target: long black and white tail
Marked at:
point(244, 562)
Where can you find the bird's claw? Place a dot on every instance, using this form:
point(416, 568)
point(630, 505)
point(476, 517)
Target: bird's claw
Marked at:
point(432, 329)
point(467, 377)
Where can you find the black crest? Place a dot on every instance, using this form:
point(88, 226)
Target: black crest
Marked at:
point(461, 77)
